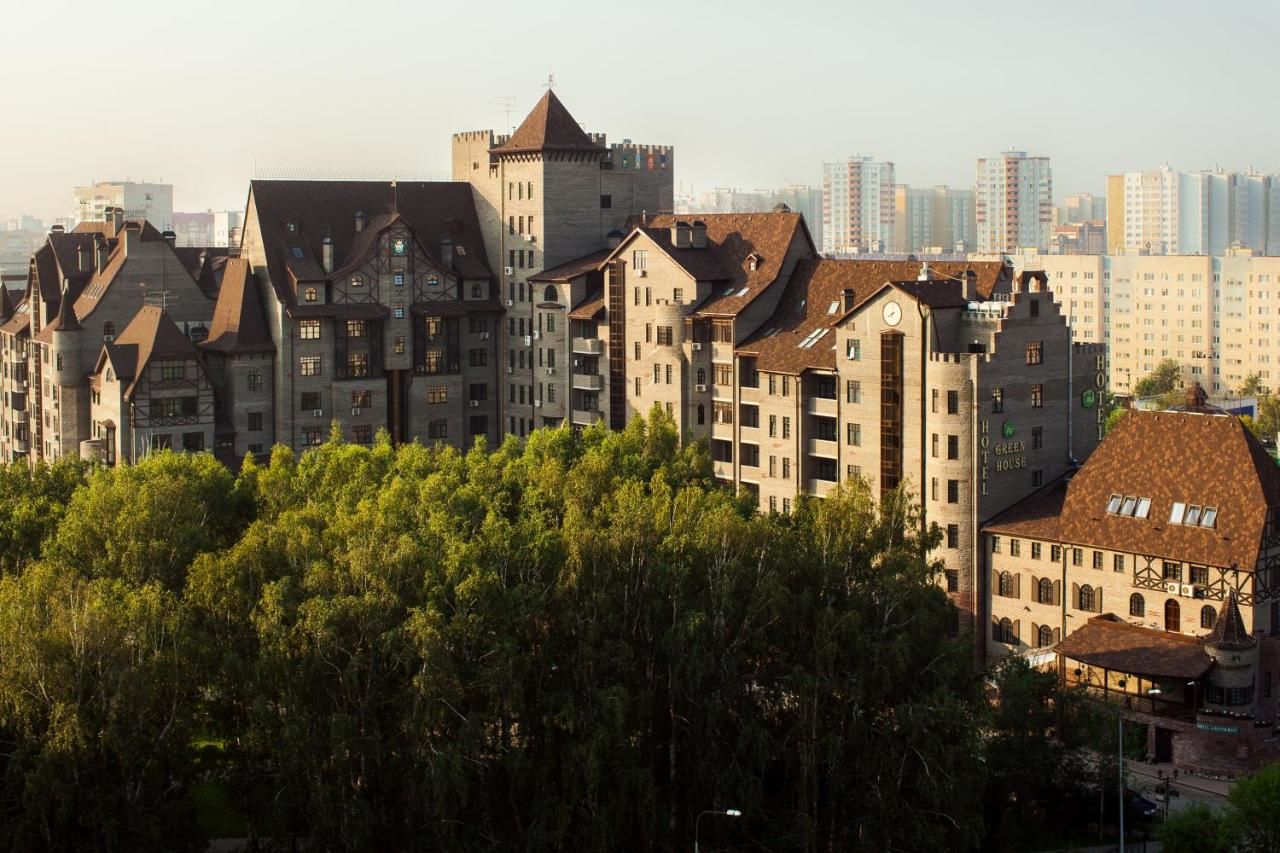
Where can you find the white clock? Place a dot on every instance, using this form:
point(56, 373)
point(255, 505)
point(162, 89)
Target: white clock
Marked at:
point(892, 313)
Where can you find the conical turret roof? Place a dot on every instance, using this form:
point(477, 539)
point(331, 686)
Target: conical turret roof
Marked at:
point(1229, 631)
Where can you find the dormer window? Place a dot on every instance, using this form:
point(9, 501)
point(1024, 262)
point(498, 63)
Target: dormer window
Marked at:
point(753, 261)
point(108, 331)
point(309, 295)
point(1144, 508)
point(1209, 517)
point(291, 227)
point(1113, 504)
point(297, 253)
point(1192, 517)
point(1177, 512)
point(357, 281)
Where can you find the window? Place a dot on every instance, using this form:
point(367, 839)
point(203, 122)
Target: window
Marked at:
point(1044, 591)
point(995, 544)
point(309, 365)
point(786, 427)
point(255, 422)
point(310, 401)
point(606, 202)
point(357, 281)
point(254, 379)
point(1055, 553)
point(1035, 550)
point(1172, 616)
point(356, 328)
point(933, 402)
point(399, 345)
point(172, 369)
point(438, 428)
point(1044, 636)
point(773, 426)
point(1172, 571)
point(173, 407)
point(1086, 601)
point(1003, 632)
point(1177, 512)
point(1117, 563)
point(640, 260)
point(1137, 606)
point(668, 374)
point(1037, 396)
point(438, 394)
point(1200, 575)
point(723, 374)
point(478, 391)
point(1005, 585)
point(854, 434)
point(361, 399)
point(1037, 438)
point(953, 402)
point(853, 349)
point(953, 447)
point(677, 295)
point(786, 467)
point(997, 399)
point(853, 391)
point(478, 425)
point(1015, 547)
point(357, 364)
point(309, 294)
point(1207, 617)
point(108, 331)
point(312, 436)
point(953, 536)
point(309, 330)
point(398, 310)
point(1035, 307)
point(362, 434)
point(953, 580)
point(1209, 517)
point(1035, 352)
point(953, 491)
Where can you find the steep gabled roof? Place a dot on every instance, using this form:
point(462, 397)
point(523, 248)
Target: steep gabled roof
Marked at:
point(572, 269)
point(1111, 643)
point(548, 127)
point(150, 334)
point(1229, 631)
point(239, 325)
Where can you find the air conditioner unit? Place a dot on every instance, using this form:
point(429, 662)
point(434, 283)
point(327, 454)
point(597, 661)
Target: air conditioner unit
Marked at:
point(475, 404)
point(551, 371)
point(528, 341)
point(1172, 587)
point(697, 347)
point(355, 411)
point(533, 238)
point(510, 303)
point(642, 273)
point(484, 336)
point(537, 334)
point(509, 270)
point(1189, 590)
point(700, 388)
point(317, 413)
point(577, 362)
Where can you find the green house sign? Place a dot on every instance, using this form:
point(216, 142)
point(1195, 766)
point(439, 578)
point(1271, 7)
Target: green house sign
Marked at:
point(1006, 429)
point(1089, 398)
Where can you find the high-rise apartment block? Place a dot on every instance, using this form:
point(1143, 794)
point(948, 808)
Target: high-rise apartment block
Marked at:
point(1014, 202)
point(857, 206)
point(1166, 212)
point(211, 228)
point(140, 201)
point(934, 220)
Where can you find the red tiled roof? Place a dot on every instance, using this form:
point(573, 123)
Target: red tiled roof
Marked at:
point(548, 127)
point(1110, 643)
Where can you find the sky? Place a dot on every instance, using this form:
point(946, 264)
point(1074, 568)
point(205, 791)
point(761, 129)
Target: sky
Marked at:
point(751, 94)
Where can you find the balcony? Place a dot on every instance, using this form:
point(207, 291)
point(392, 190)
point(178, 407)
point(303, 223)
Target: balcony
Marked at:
point(20, 416)
point(588, 382)
point(819, 488)
point(585, 418)
point(825, 406)
point(819, 447)
point(588, 346)
point(723, 470)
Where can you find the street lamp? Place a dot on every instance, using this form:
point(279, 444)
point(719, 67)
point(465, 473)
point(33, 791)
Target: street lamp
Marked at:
point(1168, 786)
point(698, 820)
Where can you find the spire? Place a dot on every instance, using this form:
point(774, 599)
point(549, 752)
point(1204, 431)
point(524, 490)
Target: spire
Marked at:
point(1229, 631)
point(65, 320)
point(549, 127)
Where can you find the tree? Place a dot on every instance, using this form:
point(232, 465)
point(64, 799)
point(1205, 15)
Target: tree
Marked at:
point(1196, 829)
point(1251, 387)
point(1268, 417)
point(1255, 810)
point(1114, 417)
point(1166, 377)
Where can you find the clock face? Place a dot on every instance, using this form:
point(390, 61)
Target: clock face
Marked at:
point(892, 313)
point(398, 246)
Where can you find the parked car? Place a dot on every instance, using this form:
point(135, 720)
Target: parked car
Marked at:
point(1139, 805)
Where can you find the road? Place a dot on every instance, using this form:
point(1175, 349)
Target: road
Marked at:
point(1192, 790)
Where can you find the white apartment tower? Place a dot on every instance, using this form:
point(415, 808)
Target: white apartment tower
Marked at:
point(139, 201)
point(1014, 202)
point(857, 206)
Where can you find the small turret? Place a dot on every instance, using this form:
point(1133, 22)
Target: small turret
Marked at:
point(64, 342)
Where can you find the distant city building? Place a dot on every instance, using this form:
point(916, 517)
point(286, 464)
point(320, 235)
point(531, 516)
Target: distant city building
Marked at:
point(22, 223)
point(1080, 207)
point(1014, 202)
point(211, 228)
point(1166, 212)
point(934, 220)
point(857, 206)
point(1080, 238)
point(139, 201)
point(18, 244)
point(805, 200)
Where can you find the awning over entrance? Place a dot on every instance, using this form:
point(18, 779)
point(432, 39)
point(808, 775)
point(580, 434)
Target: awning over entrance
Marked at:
point(1110, 643)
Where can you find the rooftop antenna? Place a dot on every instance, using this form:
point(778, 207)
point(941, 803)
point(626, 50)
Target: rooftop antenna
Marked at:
point(508, 104)
point(551, 81)
point(395, 197)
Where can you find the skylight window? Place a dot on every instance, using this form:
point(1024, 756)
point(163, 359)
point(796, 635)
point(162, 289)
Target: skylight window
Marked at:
point(1113, 504)
point(728, 291)
point(1176, 514)
point(1192, 517)
point(297, 253)
point(812, 338)
point(742, 292)
point(1210, 516)
point(835, 306)
point(1144, 508)
point(1130, 503)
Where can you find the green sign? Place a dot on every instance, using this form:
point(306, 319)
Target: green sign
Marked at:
point(1089, 398)
point(1218, 728)
point(1006, 429)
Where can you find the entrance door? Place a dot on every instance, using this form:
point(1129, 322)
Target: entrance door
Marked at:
point(1164, 745)
point(1172, 616)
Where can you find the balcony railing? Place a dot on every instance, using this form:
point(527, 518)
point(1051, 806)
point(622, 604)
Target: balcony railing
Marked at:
point(588, 346)
point(588, 382)
point(821, 406)
point(585, 418)
point(822, 447)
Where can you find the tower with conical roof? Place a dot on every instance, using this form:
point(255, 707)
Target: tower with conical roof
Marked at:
point(1232, 680)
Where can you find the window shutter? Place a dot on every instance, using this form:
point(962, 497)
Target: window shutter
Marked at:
point(1097, 600)
point(1075, 595)
point(995, 629)
point(1035, 587)
point(1057, 635)
point(1057, 592)
point(1017, 585)
point(1035, 633)
point(1016, 635)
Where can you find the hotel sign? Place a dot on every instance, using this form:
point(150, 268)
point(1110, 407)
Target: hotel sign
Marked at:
point(1094, 394)
point(1218, 728)
point(1009, 455)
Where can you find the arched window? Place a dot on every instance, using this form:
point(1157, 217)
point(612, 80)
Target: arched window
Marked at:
point(1004, 631)
point(1006, 584)
point(111, 375)
point(309, 295)
point(702, 414)
point(1172, 616)
point(108, 331)
point(549, 295)
point(1086, 597)
point(1046, 591)
point(702, 376)
point(1208, 616)
point(1137, 606)
point(1044, 637)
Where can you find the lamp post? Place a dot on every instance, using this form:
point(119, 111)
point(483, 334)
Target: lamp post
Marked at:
point(1167, 782)
point(698, 820)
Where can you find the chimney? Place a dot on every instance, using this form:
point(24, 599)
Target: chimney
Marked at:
point(969, 287)
point(58, 229)
point(171, 238)
point(698, 236)
point(361, 221)
point(446, 253)
point(103, 251)
point(924, 274)
point(116, 215)
point(681, 235)
point(326, 254)
point(84, 257)
point(614, 239)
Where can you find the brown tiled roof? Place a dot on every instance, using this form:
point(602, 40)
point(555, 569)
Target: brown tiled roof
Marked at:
point(1111, 643)
point(1204, 459)
point(1229, 631)
point(732, 238)
point(591, 307)
point(20, 322)
point(1037, 516)
point(239, 325)
point(150, 334)
point(574, 268)
point(819, 283)
point(64, 321)
point(548, 127)
point(322, 209)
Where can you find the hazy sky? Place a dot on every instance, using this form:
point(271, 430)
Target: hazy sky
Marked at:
point(751, 94)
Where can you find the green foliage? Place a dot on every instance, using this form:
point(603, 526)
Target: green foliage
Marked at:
point(1166, 377)
point(1252, 386)
point(1268, 419)
point(1255, 811)
point(1195, 829)
point(32, 502)
point(577, 640)
point(1114, 417)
